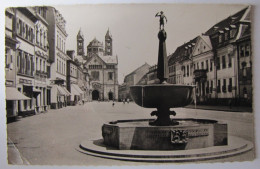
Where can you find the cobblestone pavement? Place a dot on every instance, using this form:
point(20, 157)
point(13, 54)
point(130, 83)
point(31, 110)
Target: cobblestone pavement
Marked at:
point(52, 138)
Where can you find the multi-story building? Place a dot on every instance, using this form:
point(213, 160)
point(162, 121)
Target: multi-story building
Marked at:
point(13, 96)
point(102, 70)
point(217, 62)
point(41, 58)
point(25, 20)
point(244, 50)
point(73, 77)
point(131, 79)
point(57, 57)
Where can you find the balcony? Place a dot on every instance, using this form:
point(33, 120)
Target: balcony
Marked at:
point(200, 74)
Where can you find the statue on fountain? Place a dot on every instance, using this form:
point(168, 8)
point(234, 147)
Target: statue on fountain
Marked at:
point(162, 18)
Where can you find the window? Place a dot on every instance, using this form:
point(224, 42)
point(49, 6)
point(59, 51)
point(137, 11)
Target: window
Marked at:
point(183, 69)
point(220, 39)
point(188, 70)
point(57, 65)
point(229, 60)
point(19, 57)
point(226, 36)
point(224, 87)
point(211, 86)
point(202, 65)
point(40, 65)
point(7, 53)
point(207, 88)
point(223, 62)
point(95, 75)
point(110, 75)
point(242, 50)
point(247, 52)
point(207, 65)
point(244, 69)
point(37, 63)
point(20, 27)
point(232, 33)
point(218, 88)
point(230, 85)
point(211, 65)
point(218, 63)
point(57, 41)
point(43, 66)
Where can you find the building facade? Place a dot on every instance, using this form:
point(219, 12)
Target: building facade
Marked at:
point(131, 79)
point(75, 79)
point(57, 57)
point(102, 70)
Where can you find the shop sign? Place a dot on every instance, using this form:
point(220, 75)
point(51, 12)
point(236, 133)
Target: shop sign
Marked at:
point(25, 81)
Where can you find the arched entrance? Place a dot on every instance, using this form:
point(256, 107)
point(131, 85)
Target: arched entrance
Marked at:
point(95, 95)
point(110, 96)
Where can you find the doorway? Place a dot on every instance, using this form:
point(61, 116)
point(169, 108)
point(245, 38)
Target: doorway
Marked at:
point(95, 95)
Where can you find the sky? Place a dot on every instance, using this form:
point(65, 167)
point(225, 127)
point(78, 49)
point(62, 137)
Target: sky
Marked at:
point(134, 28)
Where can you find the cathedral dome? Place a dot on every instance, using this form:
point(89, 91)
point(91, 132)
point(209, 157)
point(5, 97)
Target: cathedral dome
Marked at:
point(95, 43)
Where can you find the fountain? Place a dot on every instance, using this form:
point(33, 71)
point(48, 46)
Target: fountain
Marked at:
point(188, 139)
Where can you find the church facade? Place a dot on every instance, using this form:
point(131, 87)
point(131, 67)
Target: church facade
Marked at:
point(102, 68)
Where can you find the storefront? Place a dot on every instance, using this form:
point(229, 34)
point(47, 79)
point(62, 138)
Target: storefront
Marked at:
point(13, 96)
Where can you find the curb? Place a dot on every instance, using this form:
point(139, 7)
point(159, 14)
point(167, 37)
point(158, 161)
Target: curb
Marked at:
point(14, 156)
point(228, 110)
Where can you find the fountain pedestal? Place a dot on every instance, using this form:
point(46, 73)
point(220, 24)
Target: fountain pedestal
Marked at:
point(188, 134)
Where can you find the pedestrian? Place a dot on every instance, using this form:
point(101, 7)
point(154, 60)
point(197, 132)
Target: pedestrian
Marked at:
point(113, 104)
point(127, 100)
point(124, 101)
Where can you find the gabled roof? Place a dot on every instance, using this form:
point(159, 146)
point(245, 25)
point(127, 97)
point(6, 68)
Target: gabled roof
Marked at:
point(145, 64)
point(92, 57)
point(109, 59)
point(232, 20)
point(179, 53)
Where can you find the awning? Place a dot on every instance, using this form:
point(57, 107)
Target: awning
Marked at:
point(61, 90)
point(13, 94)
point(74, 91)
point(77, 88)
point(67, 92)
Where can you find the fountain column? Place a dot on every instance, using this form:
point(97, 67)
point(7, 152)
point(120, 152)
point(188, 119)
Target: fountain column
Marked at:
point(162, 67)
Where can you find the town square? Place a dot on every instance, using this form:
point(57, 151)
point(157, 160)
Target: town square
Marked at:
point(136, 84)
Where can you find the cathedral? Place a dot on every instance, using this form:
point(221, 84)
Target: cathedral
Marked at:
point(102, 67)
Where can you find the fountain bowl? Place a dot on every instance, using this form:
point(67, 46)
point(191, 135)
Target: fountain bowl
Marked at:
point(162, 95)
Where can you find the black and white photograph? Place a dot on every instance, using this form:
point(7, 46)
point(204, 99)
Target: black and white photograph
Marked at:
point(128, 84)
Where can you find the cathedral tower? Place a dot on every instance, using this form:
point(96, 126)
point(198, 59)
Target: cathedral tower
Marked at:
point(108, 44)
point(80, 44)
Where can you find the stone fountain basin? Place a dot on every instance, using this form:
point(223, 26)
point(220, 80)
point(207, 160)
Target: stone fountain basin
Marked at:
point(162, 95)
